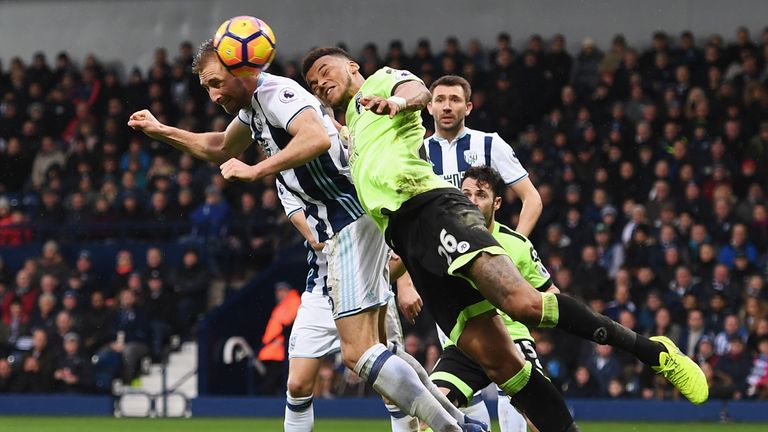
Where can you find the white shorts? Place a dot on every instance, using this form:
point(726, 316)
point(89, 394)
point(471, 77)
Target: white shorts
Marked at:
point(314, 333)
point(358, 269)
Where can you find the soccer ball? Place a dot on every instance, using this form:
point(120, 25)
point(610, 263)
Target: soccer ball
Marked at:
point(244, 44)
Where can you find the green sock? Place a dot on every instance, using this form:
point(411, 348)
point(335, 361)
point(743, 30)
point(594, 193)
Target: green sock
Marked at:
point(550, 311)
point(518, 381)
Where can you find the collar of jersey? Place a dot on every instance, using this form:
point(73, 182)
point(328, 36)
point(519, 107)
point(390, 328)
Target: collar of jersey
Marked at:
point(442, 140)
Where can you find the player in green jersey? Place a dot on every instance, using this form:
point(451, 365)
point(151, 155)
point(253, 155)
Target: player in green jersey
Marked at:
point(457, 375)
point(454, 261)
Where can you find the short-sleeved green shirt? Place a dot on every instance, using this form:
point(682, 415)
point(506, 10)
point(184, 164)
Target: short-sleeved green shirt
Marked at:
point(384, 152)
point(527, 261)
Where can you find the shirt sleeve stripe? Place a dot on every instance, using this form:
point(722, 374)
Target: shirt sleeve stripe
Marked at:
point(517, 179)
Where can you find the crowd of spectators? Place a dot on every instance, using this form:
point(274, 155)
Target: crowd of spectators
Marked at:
point(73, 330)
point(652, 164)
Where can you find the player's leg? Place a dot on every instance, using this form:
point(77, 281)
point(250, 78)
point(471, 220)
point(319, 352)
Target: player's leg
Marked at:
point(460, 379)
point(299, 412)
point(391, 334)
point(500, 282)
point(530, 391)
point(458, 239)
point(313, 337)
point(358, 282)
point(389, 375)
point(510, 419)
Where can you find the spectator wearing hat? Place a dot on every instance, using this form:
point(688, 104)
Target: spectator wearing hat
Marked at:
point(585, 75)
point(610, 254)
point(73, 372)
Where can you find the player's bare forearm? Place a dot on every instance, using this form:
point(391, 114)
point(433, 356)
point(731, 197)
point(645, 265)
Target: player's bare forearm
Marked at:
point(209, 146)
point(299, 221)
point(310, 140)
point(416, 95)
point(532, 206)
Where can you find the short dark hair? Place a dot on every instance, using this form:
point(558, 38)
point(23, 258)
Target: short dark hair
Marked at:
point(486, 175)
point(451, 81)
point(203, 51)
point(317, 53)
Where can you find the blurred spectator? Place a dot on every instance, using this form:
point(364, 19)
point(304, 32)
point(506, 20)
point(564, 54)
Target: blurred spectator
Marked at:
point(582, 385)
point(73, 370)
point(98, 324)
point(604, 367)
point(37, 366)
point(692, 333)
point(190, 285)
point(736, 363)
point(731, 330)
point(130, 335)
point(161, 312)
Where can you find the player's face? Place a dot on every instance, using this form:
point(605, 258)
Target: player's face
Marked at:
point(330, 79)
point(482, 196)
point(223, 88)
point(449, 107)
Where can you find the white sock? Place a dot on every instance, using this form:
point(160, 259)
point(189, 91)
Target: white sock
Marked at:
point(510, 418)
point(477, 409)
point(394, 379)
point(424, 378)
point(402, 422)
point(299, 414)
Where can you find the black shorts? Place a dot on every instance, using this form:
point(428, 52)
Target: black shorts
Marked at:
point(437, 233)
point(463, 377)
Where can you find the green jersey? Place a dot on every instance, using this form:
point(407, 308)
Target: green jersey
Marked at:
point(384, 152)
point(527, 261)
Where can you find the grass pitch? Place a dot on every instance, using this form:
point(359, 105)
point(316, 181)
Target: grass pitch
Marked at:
point(102, 424)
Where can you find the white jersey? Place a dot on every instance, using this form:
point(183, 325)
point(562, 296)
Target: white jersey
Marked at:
point(323, 185)
point(317, 277)
point(473, 148)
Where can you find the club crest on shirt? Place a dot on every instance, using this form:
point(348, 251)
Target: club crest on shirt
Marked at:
point(470, 156)
point(287, 94)
point(358, 106)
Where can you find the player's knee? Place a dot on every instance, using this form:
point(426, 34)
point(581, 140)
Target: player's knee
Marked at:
point(300, 388)
point(350, 355)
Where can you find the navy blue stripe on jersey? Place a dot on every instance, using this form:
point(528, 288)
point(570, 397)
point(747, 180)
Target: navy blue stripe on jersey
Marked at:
point(436, 156)
point(339, 183)
point(338, 215)
point(462, 148)
point(279, 135)
point(488, 142)
point(313, 270)
point(310, 209)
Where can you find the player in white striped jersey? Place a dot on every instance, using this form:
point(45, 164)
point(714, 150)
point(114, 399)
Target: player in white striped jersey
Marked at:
point(304, 151)
point(454, 147)
point(314, 335)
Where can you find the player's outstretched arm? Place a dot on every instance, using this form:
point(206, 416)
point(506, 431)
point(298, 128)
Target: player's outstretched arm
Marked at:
point(209, 146)
point(408, 96)
point(310, 140)
point(532, 206)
